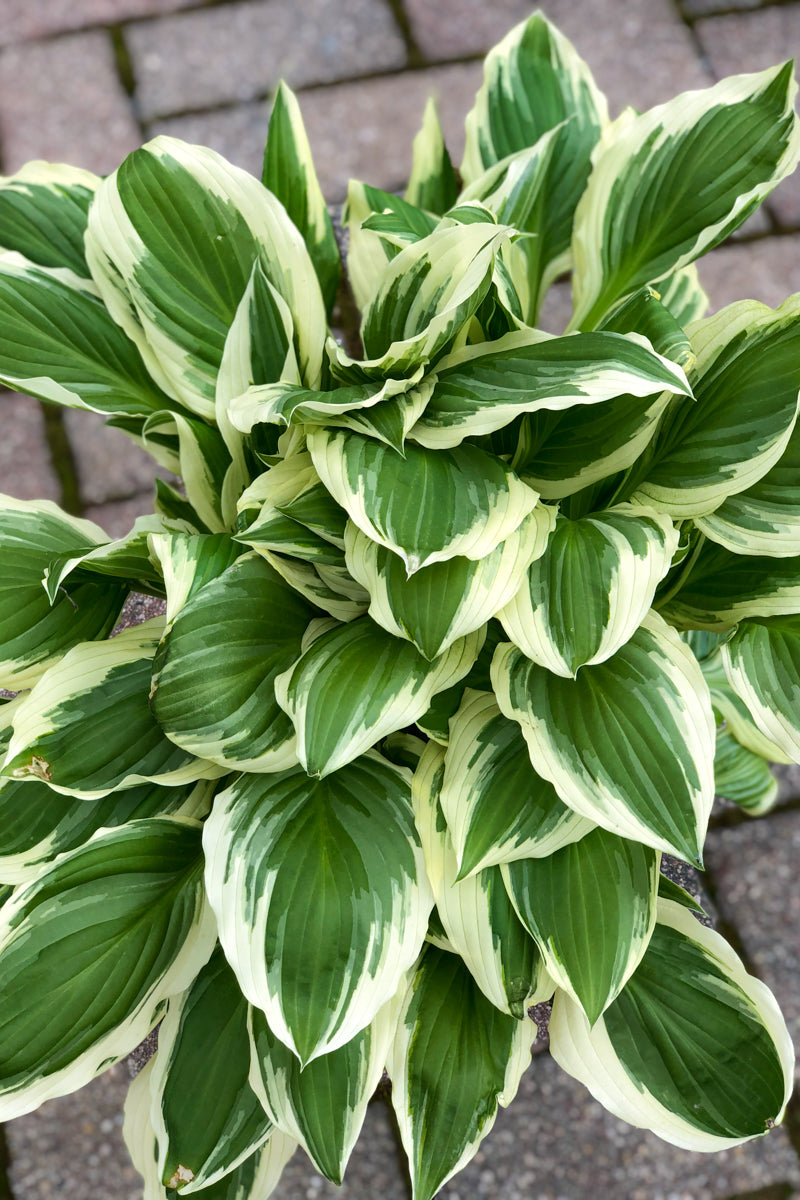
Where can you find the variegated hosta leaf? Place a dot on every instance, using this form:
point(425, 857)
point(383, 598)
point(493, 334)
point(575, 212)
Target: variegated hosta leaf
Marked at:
point(189, 561)
point(205, 1116)
point(497, 807)
point(479, 390)
point(151, 228)
point(629, 743)
point(742, 777)
point(435, 722)
point(102, 687)
point(330, 588)
point(369, 252)
point(204, 463)
point(724, 588)
point(455, 1058)
point(694, 1048)
point(35, 632)
point(254, 1179)
point(645, 314)
point(733, 711)
point(60, 344)
point(591, 908)
point(36, 823)
point(533, 82)
point(321, 897)
point(293, 488)
point(90, 951)
point(323, 1104)
point(590, 590)
point(476, 913)
point(762, 662)
point(682, 293)
point(273, 531)
point(446, 600)
point(290, 175)
point(424, 506)
point(43, 212)
point(746, 383)
point(432, 185)
point(672, 183)
point(214, 675)
point(357, 683)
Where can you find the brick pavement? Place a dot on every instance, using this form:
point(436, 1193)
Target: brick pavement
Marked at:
point(86, 81)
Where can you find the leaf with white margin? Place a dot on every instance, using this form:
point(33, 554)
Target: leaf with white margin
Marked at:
point(433, 184)
point(724, 588)
point(90, 951)
point(762, 663)
point(35, 631)
point(455, 1058)
point(104, 687)
point(629, 743)
point(765, 518)
point(436, 721)
point(476, 913)
point(293, 487)
point(321, 897)
point(322, 585)
point(255, 1179)
point(676, 181)
point(208, 1121)
point(682, 293)
point(37, 824)
point(482, 388)
point(172, 238)
point(322, 1104)
point(43, 213)
point(214, 674)
point(356, 684)
point(534, 82)
point(497, 807)
point(734, 713)
point(745, 381)
point(742, 777)
point(591, 589)
point(204, 463)
point(289, 174)
point(446, 600)
point(694, 1048)
point(368, 252)
point(188, 562)
point(60, 344)
point(424, 506)
point(591, 908)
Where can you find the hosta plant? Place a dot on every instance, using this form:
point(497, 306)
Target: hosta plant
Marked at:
point(464, 626)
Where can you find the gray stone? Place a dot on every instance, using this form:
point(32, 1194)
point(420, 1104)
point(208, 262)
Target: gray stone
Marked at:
point(767, 270)
point(740, 43)
point(459, 28)
point(110, 465)
point(25, 467)
point(239, 51)
point(62, 100)
point(117, 517)
point(24, 20)
point(361, 130)
point(755, 870)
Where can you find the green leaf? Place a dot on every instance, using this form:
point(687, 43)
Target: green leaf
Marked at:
point(204, 463)
point(724, 588)
point(103, 687)
point(435, 722)
point(36, 631)
point(454, 1060)
point(214, 675)
point(694, 1048)
point(762, 662)
point(533, 82)
point(479, 390)
point(152, 228)
point(424, 506)
point(90, 951)
point(645, 314)
point(43, 212)
point(476, 913)
point(497, 807)
point(742, 777)
point(445, 600)
point(206, 1121)
point(591, 908)
point(682, 293)
point(629, 743)
point(356, 683)
point(189, 561)
point(289, 174)
point(433, 184)
point(732, 710)
point(591, 589)
point(330, 588)
point(669, 185)
point(328, 880)
point(368, 252)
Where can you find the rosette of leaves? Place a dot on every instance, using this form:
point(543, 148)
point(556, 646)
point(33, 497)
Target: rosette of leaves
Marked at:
point(460, 632)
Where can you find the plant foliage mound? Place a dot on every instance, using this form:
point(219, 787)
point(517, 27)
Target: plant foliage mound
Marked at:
point(464, 627)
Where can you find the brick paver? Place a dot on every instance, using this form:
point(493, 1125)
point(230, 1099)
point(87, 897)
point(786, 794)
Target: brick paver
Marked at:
point(111, 466)
point(25, 467)
point(767, 270)
point(24, 20)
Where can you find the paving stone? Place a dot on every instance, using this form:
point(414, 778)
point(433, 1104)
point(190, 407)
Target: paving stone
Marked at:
point(110, 465)
point(240, 51)
point(61, 100)
point(752, 42)
point(700, 8)
point(755, 870)
point(556, 307)
point(767, 270)
point(25, 468)
point(362, 130)
point(24, 20)
point(116, 517)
